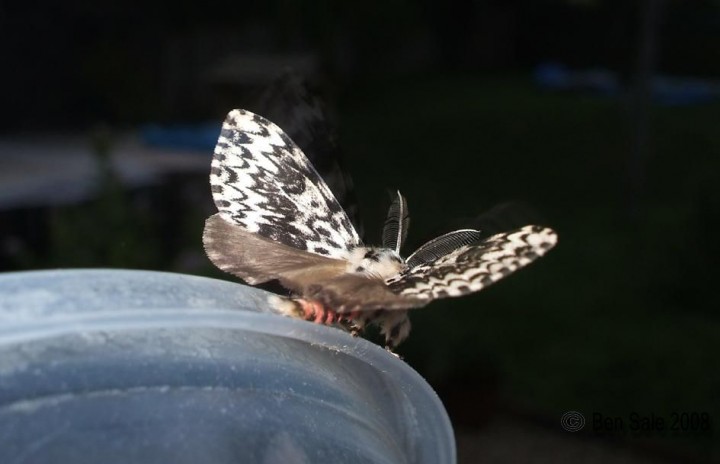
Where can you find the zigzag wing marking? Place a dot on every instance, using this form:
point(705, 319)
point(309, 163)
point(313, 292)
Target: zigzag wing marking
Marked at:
point(293, 104)
point(263, 182)
point(471, 268)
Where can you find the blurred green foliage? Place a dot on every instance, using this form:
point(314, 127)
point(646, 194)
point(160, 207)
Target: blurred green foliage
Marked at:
point(141, 228)
point(110, 230)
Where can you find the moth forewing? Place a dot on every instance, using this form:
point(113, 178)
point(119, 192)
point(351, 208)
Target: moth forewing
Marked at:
point(471, 268)
point(262, 182)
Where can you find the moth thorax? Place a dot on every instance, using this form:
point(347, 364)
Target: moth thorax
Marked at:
point(379, 262)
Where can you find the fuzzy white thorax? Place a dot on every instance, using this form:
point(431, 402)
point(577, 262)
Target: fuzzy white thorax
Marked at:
point(378, 262)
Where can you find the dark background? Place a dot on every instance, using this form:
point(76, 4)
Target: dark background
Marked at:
point(454, 103)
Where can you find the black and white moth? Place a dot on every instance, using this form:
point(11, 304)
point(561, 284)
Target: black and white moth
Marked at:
point(278, 220)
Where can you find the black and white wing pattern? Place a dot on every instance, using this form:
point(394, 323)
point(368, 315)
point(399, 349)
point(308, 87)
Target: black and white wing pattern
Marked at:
point(472, 267)
point(263, 182)
point(292, 103)
point(279, 221)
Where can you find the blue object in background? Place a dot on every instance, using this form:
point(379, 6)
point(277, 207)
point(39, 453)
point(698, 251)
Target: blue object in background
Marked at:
point(556, 76)
point(675, 91)
point(666, 90)
point(196, 137)
point(553, 76)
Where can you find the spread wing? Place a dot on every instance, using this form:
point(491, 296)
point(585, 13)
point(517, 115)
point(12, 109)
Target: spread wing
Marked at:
point(262, 182)
point(257, 259)
point(471, 268)
point(296, 106)
point(355, 292)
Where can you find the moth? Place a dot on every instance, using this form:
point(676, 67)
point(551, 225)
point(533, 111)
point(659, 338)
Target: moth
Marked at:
point(278, 220)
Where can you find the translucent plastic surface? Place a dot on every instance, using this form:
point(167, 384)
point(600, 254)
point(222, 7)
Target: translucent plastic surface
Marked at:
point(106, 366)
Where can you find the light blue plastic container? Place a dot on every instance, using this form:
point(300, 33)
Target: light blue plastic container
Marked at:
point(116, 366)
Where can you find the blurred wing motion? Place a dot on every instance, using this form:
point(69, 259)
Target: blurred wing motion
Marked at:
point(257, 259)
point(291, 103)
point(279, 221)
point(501, 218)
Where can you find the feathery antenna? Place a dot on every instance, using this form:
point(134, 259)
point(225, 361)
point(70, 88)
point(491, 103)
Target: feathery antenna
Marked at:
point(396, 224)
point(442, 245)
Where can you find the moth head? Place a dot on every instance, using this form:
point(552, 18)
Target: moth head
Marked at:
point(377, 262)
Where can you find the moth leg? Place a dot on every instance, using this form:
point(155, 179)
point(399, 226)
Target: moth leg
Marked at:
point(349, 326)
point(353, 322)
point(395, 326)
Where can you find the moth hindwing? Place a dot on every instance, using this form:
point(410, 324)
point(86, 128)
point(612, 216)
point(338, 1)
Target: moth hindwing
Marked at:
point(278, 221)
